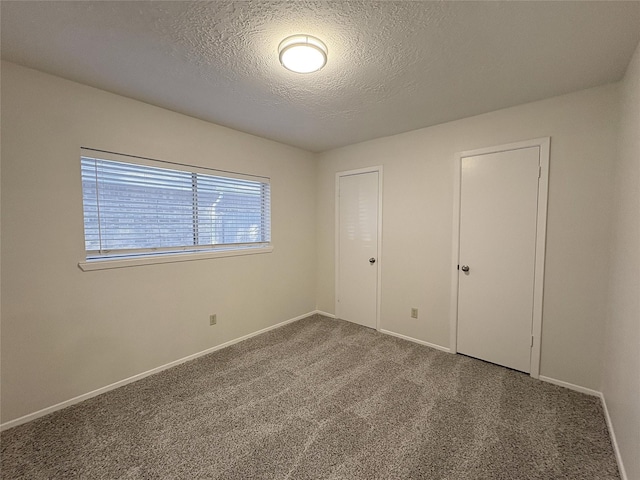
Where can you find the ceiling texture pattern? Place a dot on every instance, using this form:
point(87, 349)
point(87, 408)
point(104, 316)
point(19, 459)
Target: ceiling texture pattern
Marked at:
point(392, 67)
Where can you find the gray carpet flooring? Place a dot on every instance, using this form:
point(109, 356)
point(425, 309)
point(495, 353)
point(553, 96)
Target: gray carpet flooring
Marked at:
point(321, 398)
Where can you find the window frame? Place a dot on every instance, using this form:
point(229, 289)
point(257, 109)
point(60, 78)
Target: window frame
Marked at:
point(128, 258)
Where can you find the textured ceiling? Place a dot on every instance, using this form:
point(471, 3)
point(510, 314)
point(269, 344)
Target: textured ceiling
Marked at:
point(393, 66)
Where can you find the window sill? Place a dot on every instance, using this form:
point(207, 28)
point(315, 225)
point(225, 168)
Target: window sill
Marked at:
point(169, 258)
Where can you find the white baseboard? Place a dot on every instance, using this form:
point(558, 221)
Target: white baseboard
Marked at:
point(614, 442)
point(595, 393)
point(570, 386)
point(415, 340)
point(140, 376)
point(113, 386)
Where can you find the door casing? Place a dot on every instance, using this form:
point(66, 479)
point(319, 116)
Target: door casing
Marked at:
point(373, 169)
point(541, 235)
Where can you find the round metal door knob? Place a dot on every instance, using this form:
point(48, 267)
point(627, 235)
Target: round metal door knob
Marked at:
point(465, 268)
point(372, 260)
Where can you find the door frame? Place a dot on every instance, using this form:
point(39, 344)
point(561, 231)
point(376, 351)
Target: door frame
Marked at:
point(543, 144)
point(379, 170)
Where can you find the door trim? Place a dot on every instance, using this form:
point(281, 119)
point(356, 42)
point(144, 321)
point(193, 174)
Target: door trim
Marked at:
point(379, 169)
point(543, 144)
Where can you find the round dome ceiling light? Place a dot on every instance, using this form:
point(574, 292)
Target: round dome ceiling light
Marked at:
point(302, 53)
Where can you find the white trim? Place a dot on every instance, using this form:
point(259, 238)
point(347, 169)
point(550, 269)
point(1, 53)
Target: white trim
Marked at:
point(324, 314)
point(541, 244)
point(570, 386)
point(607, 417)
point(614, 441)
point(455, 255)
point(140, 376)
point(170, 258)
point(541, 228)
point(415, 340)
point(379, 170)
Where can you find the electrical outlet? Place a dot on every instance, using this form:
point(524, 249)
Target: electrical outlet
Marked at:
point(414, 313)
point(213, 319)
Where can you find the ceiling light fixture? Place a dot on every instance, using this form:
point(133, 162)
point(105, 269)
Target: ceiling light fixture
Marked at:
point(302, 53)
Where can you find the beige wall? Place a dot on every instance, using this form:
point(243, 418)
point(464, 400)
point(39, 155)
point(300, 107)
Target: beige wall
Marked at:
point(417, 218)
point(66, 332)
point(621, 375)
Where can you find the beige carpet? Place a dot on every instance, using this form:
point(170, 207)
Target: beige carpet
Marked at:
point(321, 398)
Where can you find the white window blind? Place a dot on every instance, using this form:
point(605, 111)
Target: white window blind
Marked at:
point(132, 209)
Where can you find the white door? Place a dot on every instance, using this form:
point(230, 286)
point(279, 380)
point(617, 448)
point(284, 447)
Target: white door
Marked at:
point(497, 256)
point(357, 247)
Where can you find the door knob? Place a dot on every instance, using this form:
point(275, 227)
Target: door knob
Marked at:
point(465, 268)
point(372, 260)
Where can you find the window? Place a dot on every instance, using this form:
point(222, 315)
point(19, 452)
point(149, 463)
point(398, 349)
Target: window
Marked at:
point(144, 209)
